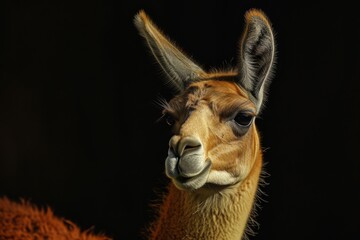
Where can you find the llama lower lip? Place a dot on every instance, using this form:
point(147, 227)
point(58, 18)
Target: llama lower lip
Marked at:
point(194, 182)
point(190, 165)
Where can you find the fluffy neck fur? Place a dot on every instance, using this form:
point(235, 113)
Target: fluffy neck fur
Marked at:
point(221, 214)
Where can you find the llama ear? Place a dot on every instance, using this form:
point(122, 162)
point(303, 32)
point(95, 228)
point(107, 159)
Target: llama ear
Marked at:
point(179, 68)
point(257, 56)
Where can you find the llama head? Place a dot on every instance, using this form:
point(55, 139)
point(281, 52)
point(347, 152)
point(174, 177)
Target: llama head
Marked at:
point(215, 141)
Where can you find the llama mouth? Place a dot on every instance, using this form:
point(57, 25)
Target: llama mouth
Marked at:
point(205, 169)
point(193, 182)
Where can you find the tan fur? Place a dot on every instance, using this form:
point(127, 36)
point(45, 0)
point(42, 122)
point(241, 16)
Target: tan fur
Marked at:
point(214, 159)
point(213, 163)
point(212, 212)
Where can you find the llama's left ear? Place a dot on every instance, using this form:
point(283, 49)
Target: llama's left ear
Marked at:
point(257, 56)
point(179, 68)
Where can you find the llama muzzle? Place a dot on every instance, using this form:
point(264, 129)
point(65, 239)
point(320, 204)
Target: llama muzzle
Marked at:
point(186, 163)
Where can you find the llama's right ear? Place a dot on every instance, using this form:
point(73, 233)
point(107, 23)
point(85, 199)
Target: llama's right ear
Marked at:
point(179, 68)
point(257, 56)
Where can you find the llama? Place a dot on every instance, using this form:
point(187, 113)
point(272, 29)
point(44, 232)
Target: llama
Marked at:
point(214, 158)
point(214, 161)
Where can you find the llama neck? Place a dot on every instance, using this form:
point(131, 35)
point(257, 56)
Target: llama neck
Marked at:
point(220, 215)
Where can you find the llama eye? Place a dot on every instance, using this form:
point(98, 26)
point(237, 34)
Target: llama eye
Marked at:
point(170, 120)
point(243, 119)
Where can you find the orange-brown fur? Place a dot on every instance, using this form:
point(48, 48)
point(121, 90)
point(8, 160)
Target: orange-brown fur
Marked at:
point(24, 221)
point(214, 159)
point(207, 215)
point(219, 207)
point(212, 212)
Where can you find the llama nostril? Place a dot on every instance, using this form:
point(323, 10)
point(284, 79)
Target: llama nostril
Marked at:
point(187, 144)
point(187, 147)
point(173, 143)
point(180, 145)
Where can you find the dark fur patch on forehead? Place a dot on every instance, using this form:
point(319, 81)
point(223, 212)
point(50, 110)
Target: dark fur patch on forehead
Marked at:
point(192, 90)
point(187, 100)
point(216, 93)
point(193, 95)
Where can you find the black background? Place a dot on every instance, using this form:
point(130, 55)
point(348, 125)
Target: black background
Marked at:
point(78, 112)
